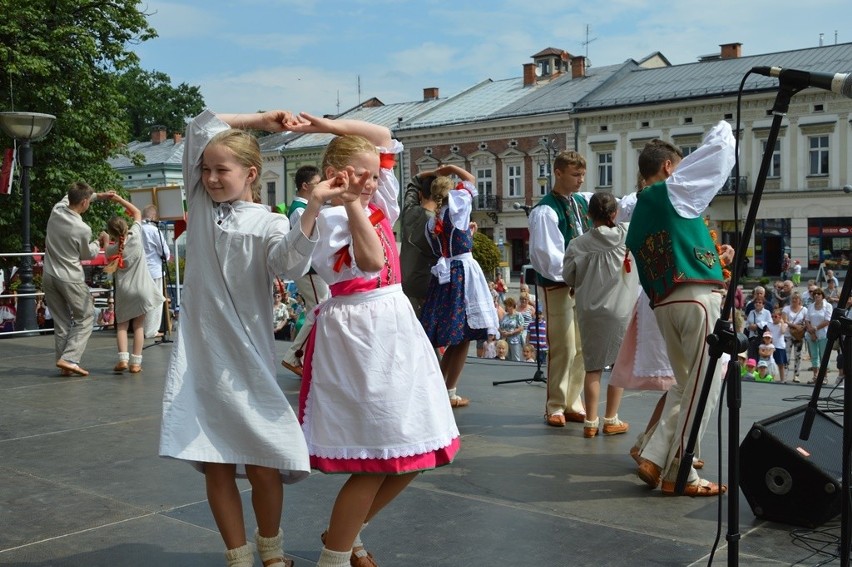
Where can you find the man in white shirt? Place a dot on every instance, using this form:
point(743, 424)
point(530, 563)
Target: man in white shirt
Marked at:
point(559, 217)
point(65, 291)
point(157, 253)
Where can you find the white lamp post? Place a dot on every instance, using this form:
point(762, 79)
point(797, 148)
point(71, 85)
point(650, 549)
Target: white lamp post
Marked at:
point(26, 127)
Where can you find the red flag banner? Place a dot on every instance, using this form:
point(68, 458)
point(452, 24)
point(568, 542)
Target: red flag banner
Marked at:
point(8, 171)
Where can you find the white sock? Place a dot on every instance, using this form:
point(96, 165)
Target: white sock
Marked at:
point(611, 420)
point(330, 558)
point(358, 542)
point(123, 356)
point(451, 392)
point(135, 359)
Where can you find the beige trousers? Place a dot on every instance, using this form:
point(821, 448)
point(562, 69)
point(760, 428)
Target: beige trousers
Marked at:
point(73, 311)
point(565, 370)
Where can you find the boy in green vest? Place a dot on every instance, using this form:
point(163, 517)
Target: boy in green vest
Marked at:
point(559, 217)
point(312, 288)
point(681, 272)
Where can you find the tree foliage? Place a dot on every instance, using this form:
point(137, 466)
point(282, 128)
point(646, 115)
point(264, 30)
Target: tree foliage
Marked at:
point(74, 59)
point(152, 100)
point(485, 252)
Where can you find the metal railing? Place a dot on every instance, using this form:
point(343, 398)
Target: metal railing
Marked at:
point(16, 296)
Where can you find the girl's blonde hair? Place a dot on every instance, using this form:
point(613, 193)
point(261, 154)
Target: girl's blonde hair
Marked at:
point(441, 187)
point(246, 151)
point(342, 150)
point(117, 228)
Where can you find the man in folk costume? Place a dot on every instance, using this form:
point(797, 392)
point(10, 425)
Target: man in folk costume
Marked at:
point(68, 241)
point(559, 217)
point(313, 289)
point(680, 269)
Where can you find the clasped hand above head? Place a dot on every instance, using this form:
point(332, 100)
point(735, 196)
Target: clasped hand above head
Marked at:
point(342, 185)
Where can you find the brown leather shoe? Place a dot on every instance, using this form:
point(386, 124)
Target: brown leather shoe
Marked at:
point(135, 368)
point(575, 417)
point(616, 428)
point(459, 402)
point(295, 369)
point(649, 473)
point(63, 364)
point(555, 420)
point(700, 487)
point(120, 366)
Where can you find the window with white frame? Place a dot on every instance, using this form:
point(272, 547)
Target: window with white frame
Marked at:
point(485, 187)
point(604, 169)
point(774, 163)
point(513, 181)
point(686, 150)
point(818, 155)
point(270, 193)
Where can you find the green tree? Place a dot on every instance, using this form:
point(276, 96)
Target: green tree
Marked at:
point(152, 100)
point(62, 58)
point(485, 252)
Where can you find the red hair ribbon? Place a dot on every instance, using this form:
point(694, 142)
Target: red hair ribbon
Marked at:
point(343, 257)
point(439, 227)
point(461, 186)
point(387, 161)
point(627, 261)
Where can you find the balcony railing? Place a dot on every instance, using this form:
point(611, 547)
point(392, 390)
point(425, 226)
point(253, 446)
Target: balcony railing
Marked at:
point(487, 203)
point(728, 187)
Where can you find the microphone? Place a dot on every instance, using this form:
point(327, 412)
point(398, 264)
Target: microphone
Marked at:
point(518, 207)
point(840, 83)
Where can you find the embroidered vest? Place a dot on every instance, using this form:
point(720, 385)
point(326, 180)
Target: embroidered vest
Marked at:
point(670, 250)
point(567, 221)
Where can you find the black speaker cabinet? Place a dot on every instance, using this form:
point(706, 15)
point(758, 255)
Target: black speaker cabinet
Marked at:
point(788, 480)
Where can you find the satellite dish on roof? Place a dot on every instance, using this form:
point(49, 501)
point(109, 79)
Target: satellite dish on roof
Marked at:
point(538, 70)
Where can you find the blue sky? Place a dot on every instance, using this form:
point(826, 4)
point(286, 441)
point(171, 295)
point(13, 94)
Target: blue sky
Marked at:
point(307, 55)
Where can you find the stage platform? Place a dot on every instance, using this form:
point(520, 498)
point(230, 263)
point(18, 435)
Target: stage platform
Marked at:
point(82, 484)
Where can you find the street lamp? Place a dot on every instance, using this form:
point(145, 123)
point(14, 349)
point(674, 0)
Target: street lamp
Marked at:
point(26, 127)
point(550, 145)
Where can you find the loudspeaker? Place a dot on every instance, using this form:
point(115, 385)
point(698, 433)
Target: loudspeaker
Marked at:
point(788, 480)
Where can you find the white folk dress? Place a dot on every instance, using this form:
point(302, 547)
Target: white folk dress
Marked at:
point(373, 398)
point(222, 403)
point(135, 291)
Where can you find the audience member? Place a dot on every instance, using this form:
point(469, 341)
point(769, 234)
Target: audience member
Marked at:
point(511, 329)
point(157, 254)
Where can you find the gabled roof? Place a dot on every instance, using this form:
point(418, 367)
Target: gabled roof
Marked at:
point(164, 153)
point(476, 103)
point(549, 51)
point(715, 78)
point(563, 93)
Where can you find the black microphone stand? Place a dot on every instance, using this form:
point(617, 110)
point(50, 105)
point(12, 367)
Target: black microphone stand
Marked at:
point(725, 339)
point(840, 328)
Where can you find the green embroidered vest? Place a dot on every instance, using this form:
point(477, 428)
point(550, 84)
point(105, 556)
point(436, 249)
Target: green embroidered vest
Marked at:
point(567, 221)
point(664, 262)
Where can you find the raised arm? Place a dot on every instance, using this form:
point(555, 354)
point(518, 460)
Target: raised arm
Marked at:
point(132, 210)
point(304, 122)
point(269, 121)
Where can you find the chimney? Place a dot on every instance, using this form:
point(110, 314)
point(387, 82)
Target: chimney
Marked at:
point(177, 138)
point(430, 93)
point(529, 74)
point(731, 50)
point(578, 67)
point(158, 135)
